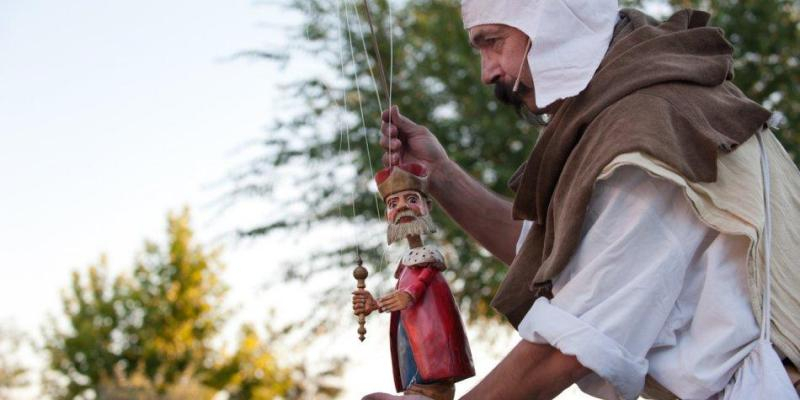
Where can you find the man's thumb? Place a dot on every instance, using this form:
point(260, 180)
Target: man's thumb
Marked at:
point(398, 119)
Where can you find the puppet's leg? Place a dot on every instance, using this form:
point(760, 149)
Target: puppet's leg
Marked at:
point(405, 357)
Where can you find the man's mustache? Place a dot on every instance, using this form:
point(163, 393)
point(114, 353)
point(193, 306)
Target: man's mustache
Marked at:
point(404, 213)
point(504, 92)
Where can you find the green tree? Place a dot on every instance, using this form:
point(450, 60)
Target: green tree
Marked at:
point(766, 39)
point(243, 372)
point(324, 155)
point(149, 335)
point(12, 372)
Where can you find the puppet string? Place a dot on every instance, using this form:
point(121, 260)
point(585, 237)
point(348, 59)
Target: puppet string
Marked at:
point(366, 52)
point(361, 105)
point(343, 130)
point(360, 99)
point(377, 94)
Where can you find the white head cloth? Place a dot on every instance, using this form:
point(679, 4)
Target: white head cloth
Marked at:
point(570, 38)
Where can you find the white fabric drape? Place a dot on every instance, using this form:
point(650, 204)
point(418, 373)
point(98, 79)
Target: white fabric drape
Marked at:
point(762, 376)
point(650, 290)
point(569, 38)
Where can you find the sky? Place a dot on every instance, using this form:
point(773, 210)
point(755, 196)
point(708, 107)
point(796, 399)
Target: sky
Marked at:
point(112, 114)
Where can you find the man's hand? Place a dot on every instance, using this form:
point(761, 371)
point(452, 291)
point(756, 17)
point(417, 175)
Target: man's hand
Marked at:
point(404, 141)
point(363, 302)
point(395, 301)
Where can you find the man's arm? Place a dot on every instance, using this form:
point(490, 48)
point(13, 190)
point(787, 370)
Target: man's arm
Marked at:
point(529, 371)
point(482, 214)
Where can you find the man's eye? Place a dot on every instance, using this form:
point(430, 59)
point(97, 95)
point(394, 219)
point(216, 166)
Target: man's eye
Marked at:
point(412, 200)
point(496, 43)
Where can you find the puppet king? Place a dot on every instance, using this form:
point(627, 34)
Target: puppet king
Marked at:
point(429, 348)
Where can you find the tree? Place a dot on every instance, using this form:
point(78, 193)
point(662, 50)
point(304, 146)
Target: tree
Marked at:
point(149, 335)
point(243, 372)
point(766, 39)
point(12, 372)
point(317, 157)
point(434, 83)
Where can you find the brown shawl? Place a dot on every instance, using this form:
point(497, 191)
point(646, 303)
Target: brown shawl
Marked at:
point(663, 90)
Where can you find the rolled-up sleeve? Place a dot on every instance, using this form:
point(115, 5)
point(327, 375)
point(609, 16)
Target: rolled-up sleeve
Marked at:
point(616, 294)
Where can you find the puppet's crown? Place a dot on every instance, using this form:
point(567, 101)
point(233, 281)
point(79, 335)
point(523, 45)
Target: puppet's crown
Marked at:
point(402, 177)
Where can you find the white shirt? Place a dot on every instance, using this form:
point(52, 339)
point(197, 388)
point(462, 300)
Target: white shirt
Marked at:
point(649, 290)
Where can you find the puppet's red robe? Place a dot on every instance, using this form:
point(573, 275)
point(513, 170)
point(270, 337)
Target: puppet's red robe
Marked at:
point(432, 323)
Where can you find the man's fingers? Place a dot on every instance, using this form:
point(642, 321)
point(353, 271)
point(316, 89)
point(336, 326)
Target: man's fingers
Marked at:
point(401, 120)
point(385, 113)
point(392, 144)
point(391, 159)
point(393, 115)
point(389, 130)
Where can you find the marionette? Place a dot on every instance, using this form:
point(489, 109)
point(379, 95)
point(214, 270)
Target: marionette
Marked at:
point(429, 347)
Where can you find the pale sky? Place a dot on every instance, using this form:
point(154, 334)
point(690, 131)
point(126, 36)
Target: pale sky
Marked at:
point(113, 114)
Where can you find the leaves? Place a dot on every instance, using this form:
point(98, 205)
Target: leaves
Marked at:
point(321, 159)
point(149, 334)
point(12, 372)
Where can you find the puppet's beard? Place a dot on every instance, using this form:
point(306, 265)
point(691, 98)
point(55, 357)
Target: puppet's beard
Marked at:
point(421, 225)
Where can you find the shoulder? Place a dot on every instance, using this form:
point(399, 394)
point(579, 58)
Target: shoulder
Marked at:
point(647, 108)
point(633, 183)
point(423, 255)
point(632, 202)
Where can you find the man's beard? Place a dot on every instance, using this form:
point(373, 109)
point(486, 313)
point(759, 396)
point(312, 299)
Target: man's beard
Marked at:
point(505, 93)
point(421, 225)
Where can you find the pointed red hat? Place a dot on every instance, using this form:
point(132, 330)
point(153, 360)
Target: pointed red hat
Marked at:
point(402, 177)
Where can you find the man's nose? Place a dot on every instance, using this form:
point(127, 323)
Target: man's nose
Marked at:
point(490, 70)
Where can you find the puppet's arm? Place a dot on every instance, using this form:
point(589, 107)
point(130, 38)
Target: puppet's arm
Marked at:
point(408, 293)
point(417, 287)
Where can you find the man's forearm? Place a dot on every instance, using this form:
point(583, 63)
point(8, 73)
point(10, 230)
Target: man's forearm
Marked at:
point(530, 371)
point(483, 214)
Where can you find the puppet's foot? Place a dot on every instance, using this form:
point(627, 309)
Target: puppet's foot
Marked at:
point(434, 391)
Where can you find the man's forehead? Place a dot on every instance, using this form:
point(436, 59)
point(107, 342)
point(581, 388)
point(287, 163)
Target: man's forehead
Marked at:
point(478, 32)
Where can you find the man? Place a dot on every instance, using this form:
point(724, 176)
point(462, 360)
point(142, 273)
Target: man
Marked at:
point(639, 263)
point(430, 352)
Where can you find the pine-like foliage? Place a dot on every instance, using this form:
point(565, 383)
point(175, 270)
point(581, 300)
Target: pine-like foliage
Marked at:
point(309, 166)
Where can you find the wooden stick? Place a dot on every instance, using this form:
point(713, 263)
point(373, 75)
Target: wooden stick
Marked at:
point(361, 273)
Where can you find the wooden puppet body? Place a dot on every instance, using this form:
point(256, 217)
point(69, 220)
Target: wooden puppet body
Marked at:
point(431, 328)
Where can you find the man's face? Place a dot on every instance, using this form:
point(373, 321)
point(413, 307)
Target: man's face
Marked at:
point(503, 51)
point(404, 207)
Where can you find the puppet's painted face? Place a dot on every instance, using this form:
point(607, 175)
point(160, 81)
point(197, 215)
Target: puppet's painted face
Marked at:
point(408, 213)
point(406, 206)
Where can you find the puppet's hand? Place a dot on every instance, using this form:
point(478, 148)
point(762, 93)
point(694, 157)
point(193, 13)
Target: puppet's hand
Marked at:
point(395, 301)
point(363, 302)
point(404, 141)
